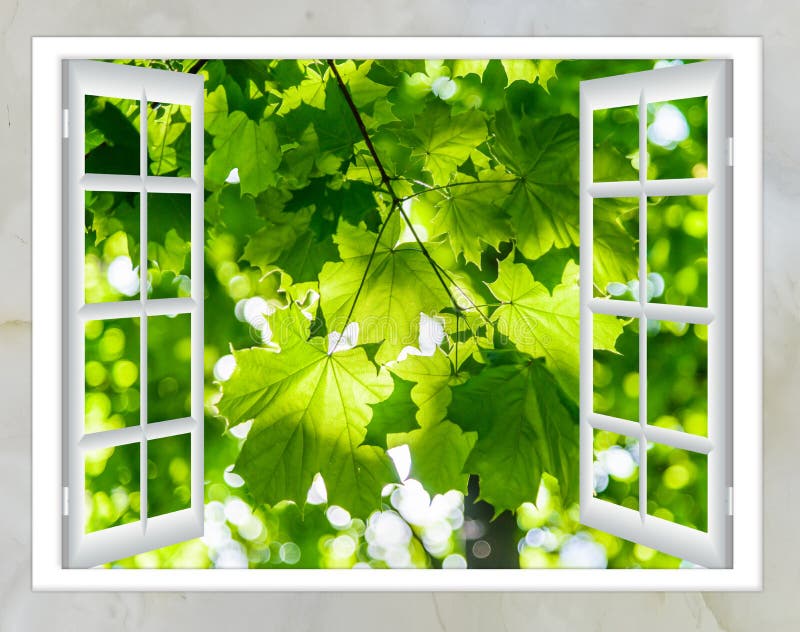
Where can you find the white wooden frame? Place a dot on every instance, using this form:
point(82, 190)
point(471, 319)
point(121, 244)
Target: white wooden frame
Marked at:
point(48, 572)
point(711, 548)
point(142, 85)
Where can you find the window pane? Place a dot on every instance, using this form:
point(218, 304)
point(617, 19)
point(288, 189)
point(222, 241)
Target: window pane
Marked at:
point(112, 135)
point(168, 474)
point(615, 248)
point(677, 250)
point(168, 367)
point(168, 247)
point(112, 374)
point(112, 487)
point(677, 376)
point(677, 139)
point(169, 139)
point(616, 469)
point(111, 247)
point(616, 375)
point(616, 144)
point(677, 486)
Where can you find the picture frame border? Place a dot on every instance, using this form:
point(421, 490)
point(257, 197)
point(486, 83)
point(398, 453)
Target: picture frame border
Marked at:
point(48, 523)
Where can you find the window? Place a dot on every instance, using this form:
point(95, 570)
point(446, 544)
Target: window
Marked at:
point(707, 543)
point(124, 323)
point(126, 297)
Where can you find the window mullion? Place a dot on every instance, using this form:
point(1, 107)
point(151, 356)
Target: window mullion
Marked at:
point(642, 301)
point(143, 282)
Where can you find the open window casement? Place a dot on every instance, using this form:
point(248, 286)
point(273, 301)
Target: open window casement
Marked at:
point(137, 321)
point(148, 89)
point(643, 94)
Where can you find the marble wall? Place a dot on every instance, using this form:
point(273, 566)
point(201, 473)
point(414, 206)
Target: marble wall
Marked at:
point(777, 21)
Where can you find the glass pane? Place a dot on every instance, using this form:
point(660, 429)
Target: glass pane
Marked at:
point(677, 250)
point(112, 374)
point(616, 375)
point(677, 139)
point(616, 144)
point(168, 474)
point(677, 486)
point(677, 376)
point(616, 469)
point(168, 247)
point(169, 139)
point(112, 135)
point(615, 249)
point(169, 352)
point(111, 247)
point(112, 487)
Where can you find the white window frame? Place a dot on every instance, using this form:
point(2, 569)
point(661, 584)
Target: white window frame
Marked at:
point(142, 85)
point(710, 548)
point(49, 572)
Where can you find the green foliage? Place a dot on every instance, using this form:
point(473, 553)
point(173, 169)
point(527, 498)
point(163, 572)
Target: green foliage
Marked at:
point(517, 186)
point(445, 229)
point(544, 324)
point(517, 412)
point(544, 156)
point(310, 409)
point(397, 283)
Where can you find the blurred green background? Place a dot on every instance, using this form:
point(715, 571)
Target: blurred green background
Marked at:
point(414, 530)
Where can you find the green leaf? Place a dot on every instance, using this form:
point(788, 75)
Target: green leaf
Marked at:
point(119, 151)
point(547, 71)
point(431, 376)
point(396, 286)
point(444, 141)
point(469, 216)
point(530, 70)
point(306, 258)
point(251, 147)
point(310, 91)
point(393, 415)
point(438, 454)
point(521, 70)
point(169, 211)
point(544, 325)
point(335, 126)
point(614, 250)
point(362, 89)
point(245, 71)
point(523, 429)
point(215, 106)
point(279, 236)
point(357, 480)
point(310, 411)
point(112, 212)
point(543, 205)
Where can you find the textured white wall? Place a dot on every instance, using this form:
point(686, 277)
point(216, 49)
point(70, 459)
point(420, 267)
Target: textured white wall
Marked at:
point(775, 609)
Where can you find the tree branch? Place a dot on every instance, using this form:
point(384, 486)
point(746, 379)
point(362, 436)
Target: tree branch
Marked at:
point(387, 181)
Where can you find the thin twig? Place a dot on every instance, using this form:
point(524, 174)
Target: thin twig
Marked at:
point(463, 293)
point(364, 276)
point(435, 266)
point(387, 181)
point(457, 184)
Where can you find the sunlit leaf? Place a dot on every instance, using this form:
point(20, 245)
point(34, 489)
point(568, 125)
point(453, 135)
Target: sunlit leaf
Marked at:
point(396, 285)
point(310, 412)
point(446, 141)
point(543, 204)
point(546, 325)
point(248, 146)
